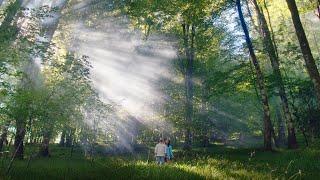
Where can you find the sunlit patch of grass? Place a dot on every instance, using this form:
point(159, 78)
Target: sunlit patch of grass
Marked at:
point(205, 171)
point(218, 168)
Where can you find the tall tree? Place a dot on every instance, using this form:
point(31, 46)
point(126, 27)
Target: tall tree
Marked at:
point(260, 81)
point(188, 41)
point(305, 48)
point(271, 51)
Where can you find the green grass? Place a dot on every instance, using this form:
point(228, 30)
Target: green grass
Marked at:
point(217, 162)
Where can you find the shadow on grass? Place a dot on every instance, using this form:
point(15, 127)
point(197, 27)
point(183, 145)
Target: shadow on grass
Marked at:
point(103, 168)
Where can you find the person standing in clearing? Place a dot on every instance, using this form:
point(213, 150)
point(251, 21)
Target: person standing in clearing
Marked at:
point(160, 152)
point(169, 153)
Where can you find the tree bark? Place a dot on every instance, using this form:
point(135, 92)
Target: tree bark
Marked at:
point(69, 137)
point(281, 128)
point(6, 29)
point(44, 149)
point(189, 50)
point(305, 136)
point(318, 8)
point(3, 137)
point(205, 141)
point(271, 29)
point(63, 138)
point(270, 50)
point(305, 48)
point(260, 82)
point(50, 28)
point(274, 136)
point(204, 113)
point(19, 139)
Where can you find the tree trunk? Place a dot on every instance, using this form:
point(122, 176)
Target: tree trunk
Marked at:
point(318, 8)
point(270, 50)
point(29, 130)
point(205, 141)
point(305, 137)
point(189, 50)
point(249, 11)
point(19, 138)
point(6, 27)
point(11, 11)
point(69, 136)
point(204, 113)
point(271, 29)
point(3, 137)
point(44, 149)
point(63, 138)
point(50, 28)
point(275, 138)
point(260, 82)
point(305, 48)
point(281, 128)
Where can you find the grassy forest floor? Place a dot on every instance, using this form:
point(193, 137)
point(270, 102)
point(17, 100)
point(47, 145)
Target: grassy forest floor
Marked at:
point(217, 162)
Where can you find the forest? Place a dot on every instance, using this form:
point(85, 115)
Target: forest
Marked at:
point(97, 89)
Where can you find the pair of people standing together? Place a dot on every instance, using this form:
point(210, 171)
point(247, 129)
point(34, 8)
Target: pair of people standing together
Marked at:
point(163, 151)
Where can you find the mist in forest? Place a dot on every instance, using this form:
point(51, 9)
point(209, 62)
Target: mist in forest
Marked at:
point(125, 69)
point(126, 72)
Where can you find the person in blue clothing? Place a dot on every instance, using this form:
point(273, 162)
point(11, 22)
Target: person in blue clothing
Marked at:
point(169, 153)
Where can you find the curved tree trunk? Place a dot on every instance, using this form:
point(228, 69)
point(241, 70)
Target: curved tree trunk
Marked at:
point(260, 82)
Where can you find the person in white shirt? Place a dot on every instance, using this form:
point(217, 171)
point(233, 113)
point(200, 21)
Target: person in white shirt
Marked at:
point(160, 152)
